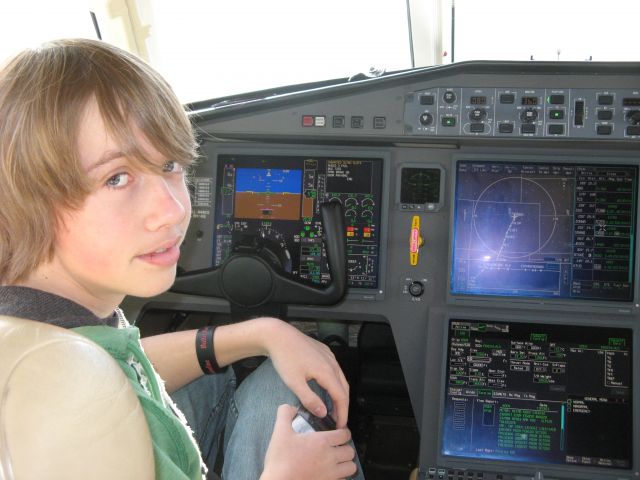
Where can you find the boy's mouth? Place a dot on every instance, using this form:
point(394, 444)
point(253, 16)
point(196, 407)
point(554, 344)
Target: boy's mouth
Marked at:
point(166, 255)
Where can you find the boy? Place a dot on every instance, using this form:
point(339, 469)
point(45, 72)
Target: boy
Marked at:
point(93, 151)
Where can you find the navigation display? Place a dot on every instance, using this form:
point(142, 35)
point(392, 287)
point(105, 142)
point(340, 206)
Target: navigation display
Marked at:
point(539, 393)
point(278, 199)
point(545, 230)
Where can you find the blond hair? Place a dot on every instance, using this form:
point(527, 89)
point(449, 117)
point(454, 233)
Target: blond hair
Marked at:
point(43, 95)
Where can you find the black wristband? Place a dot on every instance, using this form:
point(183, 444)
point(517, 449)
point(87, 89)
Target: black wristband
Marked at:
point(205, 351)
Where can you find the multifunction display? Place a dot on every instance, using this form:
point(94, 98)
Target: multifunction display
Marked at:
point(545, 230)
point(277, 198)
point(526, 392)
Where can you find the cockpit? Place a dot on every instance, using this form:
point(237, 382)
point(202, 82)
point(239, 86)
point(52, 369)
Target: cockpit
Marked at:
point(464, 236)
point(490, 215)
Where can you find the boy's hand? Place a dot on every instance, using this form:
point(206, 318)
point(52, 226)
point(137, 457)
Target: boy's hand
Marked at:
point(317, 455)
point(299, 358)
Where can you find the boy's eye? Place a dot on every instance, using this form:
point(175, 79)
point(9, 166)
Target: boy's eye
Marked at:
point(172, 167)
point(118, 180)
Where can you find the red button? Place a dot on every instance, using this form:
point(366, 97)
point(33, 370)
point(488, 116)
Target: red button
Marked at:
point(307, 121)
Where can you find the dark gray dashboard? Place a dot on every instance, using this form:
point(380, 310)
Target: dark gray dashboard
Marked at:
point(572, 114)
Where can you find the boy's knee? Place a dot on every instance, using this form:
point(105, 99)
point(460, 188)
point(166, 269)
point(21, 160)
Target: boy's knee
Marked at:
point(264, 386)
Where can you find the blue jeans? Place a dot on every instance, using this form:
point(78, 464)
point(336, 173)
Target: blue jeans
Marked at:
point(247, 415)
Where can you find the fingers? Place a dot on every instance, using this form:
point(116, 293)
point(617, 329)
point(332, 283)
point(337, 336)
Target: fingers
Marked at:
point(344, 456)
point(312, 401)
point(338, 390)
point(314, 361)
point(344, 453)
point(340, 397)
point(340, 400)
point(337, 438)
point(332, 379)
point(346, 469)
point(340, 454)
point(284, 417)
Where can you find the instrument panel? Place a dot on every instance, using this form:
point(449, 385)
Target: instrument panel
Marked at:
point(274, 195)
point(492, 222)
point(279, 197)
point(524, 112)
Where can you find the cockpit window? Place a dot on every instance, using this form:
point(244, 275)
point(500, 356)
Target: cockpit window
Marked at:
point(543, 30)
point(211, 49)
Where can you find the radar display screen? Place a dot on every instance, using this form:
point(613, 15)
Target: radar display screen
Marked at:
point(277, 198)
point(539, 393)
point(420, 185)
point(564, 231)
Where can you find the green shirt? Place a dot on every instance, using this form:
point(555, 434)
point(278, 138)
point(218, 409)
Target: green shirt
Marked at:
point(175, 452)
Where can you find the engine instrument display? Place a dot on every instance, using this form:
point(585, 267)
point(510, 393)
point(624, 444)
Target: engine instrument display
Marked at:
point(278, 197)
point(545, 230)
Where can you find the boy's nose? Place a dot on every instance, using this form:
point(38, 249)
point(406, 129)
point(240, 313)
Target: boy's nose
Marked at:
point(168, 203)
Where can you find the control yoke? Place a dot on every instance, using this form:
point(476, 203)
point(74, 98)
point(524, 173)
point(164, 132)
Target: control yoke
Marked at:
point(252, 276)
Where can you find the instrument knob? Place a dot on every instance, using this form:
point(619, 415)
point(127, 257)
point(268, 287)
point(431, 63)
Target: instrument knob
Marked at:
point(416, 289)
point(426, 119)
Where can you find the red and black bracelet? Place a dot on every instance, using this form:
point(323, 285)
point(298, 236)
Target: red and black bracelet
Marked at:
point(205, 351)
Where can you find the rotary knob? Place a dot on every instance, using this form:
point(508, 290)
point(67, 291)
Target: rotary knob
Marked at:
point(449, 96)
point(477, 114)
point(426, 119)
point(416, 289)
point(633, 117)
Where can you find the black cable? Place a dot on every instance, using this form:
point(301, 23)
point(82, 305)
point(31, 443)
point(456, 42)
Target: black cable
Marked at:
point(94, 19)
point(411, 52)
point(453, 31)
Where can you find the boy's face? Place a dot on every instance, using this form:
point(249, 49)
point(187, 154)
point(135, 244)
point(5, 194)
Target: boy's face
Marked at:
point(125, 238)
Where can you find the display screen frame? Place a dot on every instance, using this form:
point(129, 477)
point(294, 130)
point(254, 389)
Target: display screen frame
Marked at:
point(529, 469)
point(563, 303)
